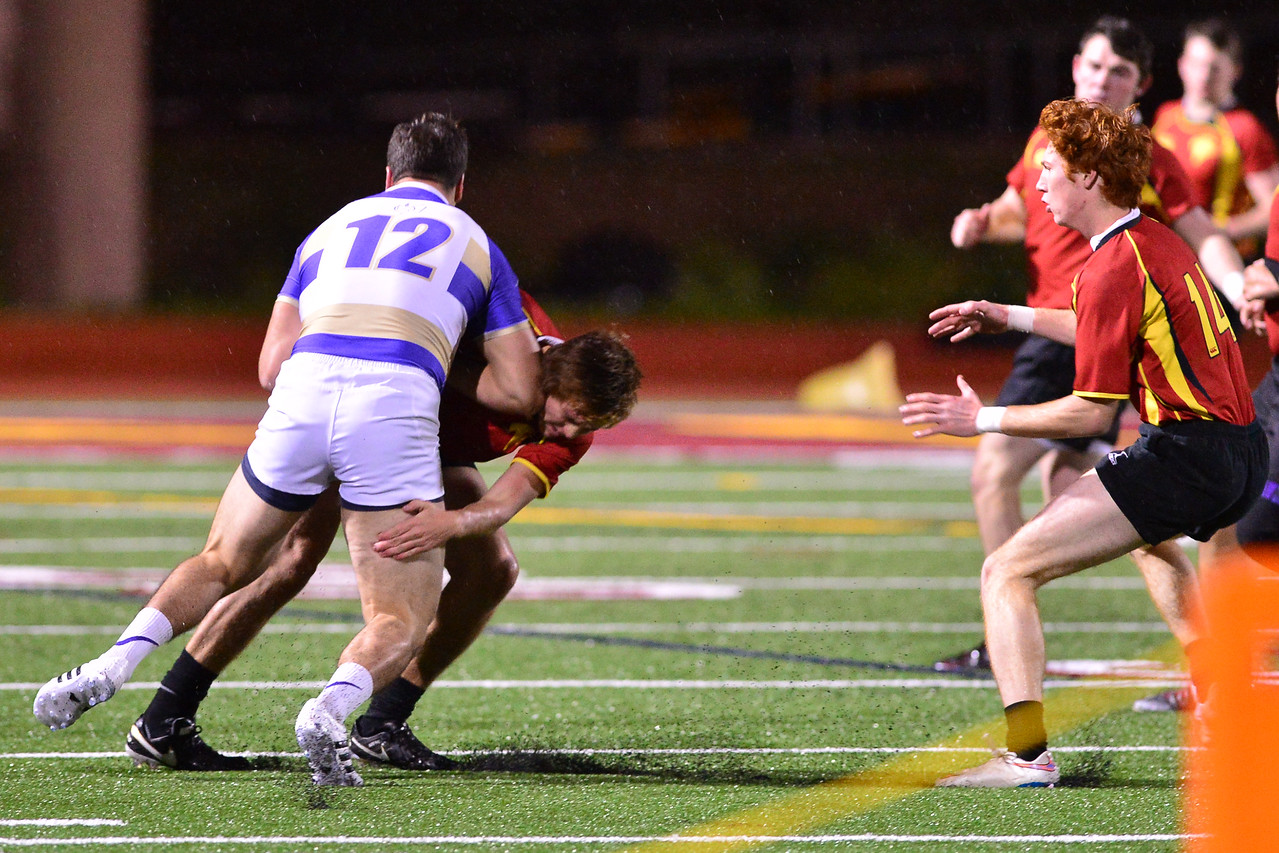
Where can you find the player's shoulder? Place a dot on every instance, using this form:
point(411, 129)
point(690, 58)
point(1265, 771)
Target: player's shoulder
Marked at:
point(1167, 112)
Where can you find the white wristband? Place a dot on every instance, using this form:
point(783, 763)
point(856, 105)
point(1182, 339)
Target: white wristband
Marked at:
point(1021, 318)
point(989, 418)
point(1231, 287)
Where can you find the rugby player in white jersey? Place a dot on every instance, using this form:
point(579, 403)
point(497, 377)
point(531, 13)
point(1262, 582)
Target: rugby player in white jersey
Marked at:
point(358, 347)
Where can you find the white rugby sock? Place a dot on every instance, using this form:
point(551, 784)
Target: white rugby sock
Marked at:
point(349, 688)
point(149, 630)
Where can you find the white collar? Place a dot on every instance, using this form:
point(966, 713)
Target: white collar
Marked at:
point(1118, 223)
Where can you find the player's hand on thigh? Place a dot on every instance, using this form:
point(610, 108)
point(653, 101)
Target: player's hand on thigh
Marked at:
point(426, 526)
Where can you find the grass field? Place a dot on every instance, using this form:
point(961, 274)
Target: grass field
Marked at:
point(763, 682)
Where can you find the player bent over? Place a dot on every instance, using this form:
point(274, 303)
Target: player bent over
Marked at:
point(373, 309)
point(589, 383)
point(1147, 327)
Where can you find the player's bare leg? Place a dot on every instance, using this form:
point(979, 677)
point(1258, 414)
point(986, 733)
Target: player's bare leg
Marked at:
point(243, 532)
point(1001, 464)
point(1047, 547)
point(482, 571)
point(398, 599)
point(237, 618)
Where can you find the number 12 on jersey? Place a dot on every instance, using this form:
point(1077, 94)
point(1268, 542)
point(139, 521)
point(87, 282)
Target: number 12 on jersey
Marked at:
point(426, 235)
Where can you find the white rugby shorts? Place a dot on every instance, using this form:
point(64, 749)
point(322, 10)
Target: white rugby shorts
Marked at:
point(372, 426)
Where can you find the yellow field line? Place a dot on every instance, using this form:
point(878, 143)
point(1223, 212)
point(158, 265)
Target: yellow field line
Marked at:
point(901, 777)
point(567, 515)
point(129, 432)
point(103, 497)
point(745, 523)
point(798, 427)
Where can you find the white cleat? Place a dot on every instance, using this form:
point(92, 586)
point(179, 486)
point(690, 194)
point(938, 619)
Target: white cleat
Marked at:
point(63, 699)
point(1006, 770)
point(323, 740)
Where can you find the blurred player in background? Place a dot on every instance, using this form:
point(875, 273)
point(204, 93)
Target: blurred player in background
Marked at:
point(1113, 67)
point(1258, 531)
point(1228, 154)
point(589, 382)
point(1147, 328)
point(1234, 169)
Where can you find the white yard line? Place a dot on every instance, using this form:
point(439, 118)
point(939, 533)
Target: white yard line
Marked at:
point(937, 683)
point(340, 574)
point(623, 752)
point(572, 840)
point(346, 627)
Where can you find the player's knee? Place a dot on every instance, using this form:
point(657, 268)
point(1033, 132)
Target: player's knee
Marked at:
point(1004, 569)
point(506, 571)
point(995, 473)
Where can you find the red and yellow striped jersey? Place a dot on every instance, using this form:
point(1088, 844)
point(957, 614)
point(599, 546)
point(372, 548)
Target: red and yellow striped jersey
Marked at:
point(1151, 329)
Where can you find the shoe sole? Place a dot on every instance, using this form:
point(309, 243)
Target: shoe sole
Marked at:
point(144, 754)
point(326, 759)
point(60, 703)
point(330, 759)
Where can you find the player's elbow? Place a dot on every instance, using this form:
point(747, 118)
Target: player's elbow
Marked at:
point(523, 398)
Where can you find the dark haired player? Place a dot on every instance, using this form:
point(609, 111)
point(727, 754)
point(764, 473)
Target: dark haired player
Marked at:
point(589, 383)
point(361, 338)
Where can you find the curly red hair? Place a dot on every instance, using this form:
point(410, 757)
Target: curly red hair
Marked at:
point(1094, 138)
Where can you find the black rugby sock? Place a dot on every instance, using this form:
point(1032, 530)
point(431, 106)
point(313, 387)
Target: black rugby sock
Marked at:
point(181, 691)
point(394, 703)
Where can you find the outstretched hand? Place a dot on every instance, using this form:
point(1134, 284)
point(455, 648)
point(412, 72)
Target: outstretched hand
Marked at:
point(427, 526)
point(965, 319)
point(949, 414)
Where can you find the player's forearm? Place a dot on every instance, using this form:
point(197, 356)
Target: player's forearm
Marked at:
point(1068, 417)
point(512, 491)
point(1056, 324)
point(1007, 223)
point(1253, 222)
point(281, 333)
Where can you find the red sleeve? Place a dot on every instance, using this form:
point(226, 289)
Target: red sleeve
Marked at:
point(543, 327)
point(1257, 146)
point(1171, 184)
point(1108, 310)
point(550, 459)
point(1272, 254)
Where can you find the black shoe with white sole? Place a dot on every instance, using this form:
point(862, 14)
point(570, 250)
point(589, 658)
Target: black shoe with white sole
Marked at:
point(394, 743)
point(175, 744)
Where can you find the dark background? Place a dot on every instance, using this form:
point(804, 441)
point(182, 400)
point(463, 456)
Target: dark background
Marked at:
point(688, 159)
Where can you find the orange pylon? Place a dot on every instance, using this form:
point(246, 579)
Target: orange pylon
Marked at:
point(1233, 784)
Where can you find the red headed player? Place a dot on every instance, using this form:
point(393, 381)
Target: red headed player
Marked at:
point(1147, 328)
point(1113, 67)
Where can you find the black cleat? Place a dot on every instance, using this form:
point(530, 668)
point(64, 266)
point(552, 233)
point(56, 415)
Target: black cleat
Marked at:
point(973, 660)
point(395, 744)
point(176, 744)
